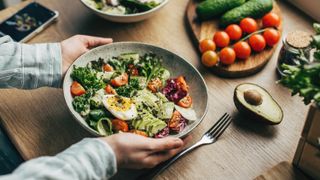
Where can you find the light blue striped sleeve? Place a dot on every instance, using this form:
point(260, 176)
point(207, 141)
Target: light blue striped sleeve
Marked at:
point(29, 66)
point(91, 159)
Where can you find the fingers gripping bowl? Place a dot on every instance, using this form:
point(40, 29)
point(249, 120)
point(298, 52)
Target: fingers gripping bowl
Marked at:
point(134, 87)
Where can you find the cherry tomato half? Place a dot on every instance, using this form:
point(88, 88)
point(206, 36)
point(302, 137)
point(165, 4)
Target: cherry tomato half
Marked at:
point(120, 125)
point(109, 89)
point(227, 56)
point(257, 42)
point(206, 45)
point(181, 81)
point(120, 80)
point(107, 68)
point(209, 58)
point(271, 20)
point(77, 89)
point(185, 102)
point(154, 85)
point(271, 36)
point(234, 31)
point(248, 25)
point(175, 120)
point(242, 50)
point(221, 39)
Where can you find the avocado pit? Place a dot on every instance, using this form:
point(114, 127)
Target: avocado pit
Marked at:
point(253, 97)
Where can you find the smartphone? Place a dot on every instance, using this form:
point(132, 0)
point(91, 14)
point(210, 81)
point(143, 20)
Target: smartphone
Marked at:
point(27, 22)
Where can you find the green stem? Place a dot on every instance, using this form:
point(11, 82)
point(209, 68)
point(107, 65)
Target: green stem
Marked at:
point(249, 35)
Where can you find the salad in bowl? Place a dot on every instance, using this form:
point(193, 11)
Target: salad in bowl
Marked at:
point(125, 11)
point(122, 7)
point(134, 92)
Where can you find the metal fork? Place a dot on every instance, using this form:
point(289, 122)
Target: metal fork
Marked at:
point(210, 137)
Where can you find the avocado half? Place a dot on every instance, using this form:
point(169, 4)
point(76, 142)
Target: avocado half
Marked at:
point(255, 102)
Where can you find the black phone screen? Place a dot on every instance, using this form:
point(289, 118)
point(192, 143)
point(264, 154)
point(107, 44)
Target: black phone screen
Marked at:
point(25, 21)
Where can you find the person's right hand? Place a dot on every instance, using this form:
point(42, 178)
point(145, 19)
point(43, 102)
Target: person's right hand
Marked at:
point(137, 152)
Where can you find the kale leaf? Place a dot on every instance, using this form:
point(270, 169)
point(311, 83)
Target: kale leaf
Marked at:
point(87, 78)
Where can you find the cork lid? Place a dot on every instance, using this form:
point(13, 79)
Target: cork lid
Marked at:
point(299, 39)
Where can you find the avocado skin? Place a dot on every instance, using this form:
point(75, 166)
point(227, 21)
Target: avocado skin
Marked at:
point(211, 8)
point(252, 8)
point(252, 115)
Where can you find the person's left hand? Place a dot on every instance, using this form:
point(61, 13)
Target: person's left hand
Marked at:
point(77, 45)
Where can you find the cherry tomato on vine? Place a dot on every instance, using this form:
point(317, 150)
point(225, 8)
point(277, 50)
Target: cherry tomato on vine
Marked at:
point(206, 45)
point(271, 36)
point(271, 20)
point(234, 31)
point(248, 25)
point(221, 39)
point(242, 50)
point(257, 42)
point(227, 56)
point(209, 58)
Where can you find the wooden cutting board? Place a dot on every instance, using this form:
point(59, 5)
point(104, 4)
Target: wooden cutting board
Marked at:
point(206, 29)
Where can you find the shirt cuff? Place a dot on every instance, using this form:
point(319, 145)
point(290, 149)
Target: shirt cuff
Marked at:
point(42, 65)
point(91, 158)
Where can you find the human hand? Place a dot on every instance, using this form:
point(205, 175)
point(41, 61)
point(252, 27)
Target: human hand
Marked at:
point(77, 45)
point(137, 152)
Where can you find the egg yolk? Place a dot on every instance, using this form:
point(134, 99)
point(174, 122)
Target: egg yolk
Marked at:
point(118, 103)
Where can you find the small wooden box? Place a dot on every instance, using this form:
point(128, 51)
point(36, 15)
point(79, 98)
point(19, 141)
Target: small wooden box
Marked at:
point(311, 130)
point(307, 159)
point(307, 156)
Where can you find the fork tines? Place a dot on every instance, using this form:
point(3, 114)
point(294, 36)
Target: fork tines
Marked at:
point(220, 126)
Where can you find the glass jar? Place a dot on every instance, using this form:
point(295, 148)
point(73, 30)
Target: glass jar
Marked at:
point(295, 45)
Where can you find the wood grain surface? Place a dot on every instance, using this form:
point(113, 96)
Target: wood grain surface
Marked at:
point(244, 151)
point(282, 171)
point(206, 29)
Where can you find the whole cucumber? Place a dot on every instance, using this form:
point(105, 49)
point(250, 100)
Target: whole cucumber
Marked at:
point(212, 8)
point(252, 8)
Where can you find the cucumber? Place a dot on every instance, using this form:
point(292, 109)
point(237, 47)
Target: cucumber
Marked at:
point(252, 8)
point(212, 8)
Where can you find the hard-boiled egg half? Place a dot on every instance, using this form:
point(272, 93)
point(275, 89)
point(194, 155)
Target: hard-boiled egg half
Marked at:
point(121, 107)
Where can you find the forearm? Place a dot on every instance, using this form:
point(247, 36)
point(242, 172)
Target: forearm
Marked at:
point(88, 159)
point(29, 66)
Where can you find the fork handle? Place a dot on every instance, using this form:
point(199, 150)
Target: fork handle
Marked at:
point(161, 167)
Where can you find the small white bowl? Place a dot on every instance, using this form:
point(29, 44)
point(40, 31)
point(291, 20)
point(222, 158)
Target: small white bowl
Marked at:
point(127, 18)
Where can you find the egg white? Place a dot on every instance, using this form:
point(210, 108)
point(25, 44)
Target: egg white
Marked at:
point(126, 114)
point(187, 113)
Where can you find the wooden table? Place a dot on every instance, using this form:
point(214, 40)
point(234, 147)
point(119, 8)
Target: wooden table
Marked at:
point(244, 151)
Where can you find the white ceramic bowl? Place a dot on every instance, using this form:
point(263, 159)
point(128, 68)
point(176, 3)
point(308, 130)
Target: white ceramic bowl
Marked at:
point(128, 18)
point(174, 63)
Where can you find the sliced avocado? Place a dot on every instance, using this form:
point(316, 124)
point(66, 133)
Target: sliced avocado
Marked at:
point(255, 102)
point(157, 127)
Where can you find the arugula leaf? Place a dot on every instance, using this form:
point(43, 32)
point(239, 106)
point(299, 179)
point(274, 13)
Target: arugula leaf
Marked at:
point(149, 66)
point(97, 65)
